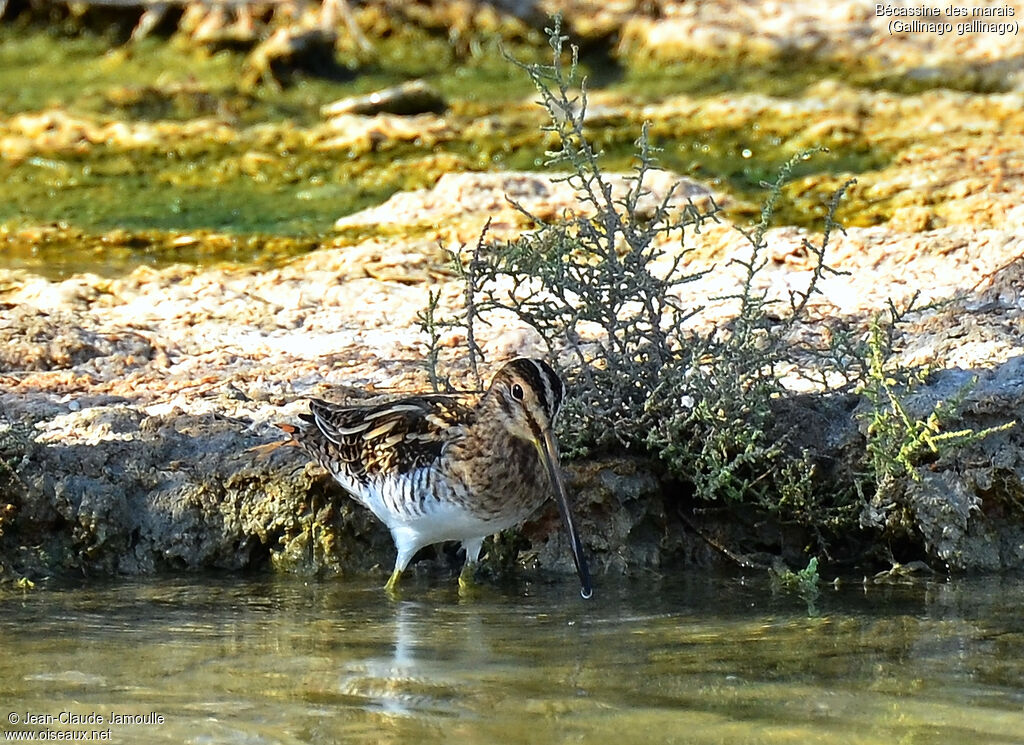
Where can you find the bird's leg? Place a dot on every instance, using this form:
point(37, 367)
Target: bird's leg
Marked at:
point(466, 576)
point(407, 547)
point(392, 585)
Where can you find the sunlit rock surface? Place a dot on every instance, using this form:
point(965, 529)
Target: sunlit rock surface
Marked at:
point(130, 401)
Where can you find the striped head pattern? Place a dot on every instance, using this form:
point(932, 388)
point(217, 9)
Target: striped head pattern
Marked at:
point(528, 395)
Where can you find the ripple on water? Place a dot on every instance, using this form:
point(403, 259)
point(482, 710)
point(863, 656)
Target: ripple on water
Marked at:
point(697, 660)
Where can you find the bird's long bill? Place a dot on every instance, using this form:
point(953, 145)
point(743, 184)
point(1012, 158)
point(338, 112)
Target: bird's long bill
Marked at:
point(549, 454)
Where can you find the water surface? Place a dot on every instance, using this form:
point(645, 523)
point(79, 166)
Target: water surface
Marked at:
point(229, 660)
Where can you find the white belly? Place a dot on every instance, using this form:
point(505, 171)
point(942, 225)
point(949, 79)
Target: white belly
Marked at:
point(428, 518)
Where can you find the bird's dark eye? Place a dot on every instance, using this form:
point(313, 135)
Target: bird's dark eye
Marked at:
point(517, 392)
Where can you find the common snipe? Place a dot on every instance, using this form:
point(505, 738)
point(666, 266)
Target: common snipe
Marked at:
point(435, 468)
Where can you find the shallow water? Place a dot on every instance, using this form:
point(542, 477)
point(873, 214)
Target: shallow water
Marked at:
point(697, 661)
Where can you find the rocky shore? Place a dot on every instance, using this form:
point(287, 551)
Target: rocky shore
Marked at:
point(129, 405)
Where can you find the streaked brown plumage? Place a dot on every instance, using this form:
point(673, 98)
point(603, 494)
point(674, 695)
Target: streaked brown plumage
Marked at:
point(436, 467)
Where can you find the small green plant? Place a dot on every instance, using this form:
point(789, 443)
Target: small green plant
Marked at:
point(431, 325)
point(898, 440)
point(602, 290)
point(804, 582)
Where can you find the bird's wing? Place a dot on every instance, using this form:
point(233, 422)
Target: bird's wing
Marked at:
point(394, 437)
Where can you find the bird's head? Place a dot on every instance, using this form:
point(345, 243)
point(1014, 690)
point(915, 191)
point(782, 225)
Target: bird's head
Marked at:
point(526, 397)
